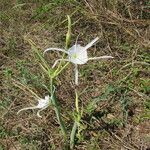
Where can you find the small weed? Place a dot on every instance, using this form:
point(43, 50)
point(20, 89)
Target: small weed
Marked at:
point(110, 89)
point(93, 145)
point(3, 132)
point(5, 103)
point(111, 95)
point(47, 8)
point(115, 122)
point(4, 17)
point(147, 104)
point(2, 147)
point(27, 77)
point(145, 115)
point(125, 102)
point(145, 85)
point(8, 73)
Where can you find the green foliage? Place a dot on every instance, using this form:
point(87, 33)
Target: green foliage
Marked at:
point(27, 142)
point(144, 115)
point(2, 147)
point(4, 17)
point(92, 105)
point(48, 7)
point(24, 73)
point(3, 132)
point(28, 77)
point(125, 101)
point(145, 85)
point(8, 73)
point(12, 43)
point(147, 104)
point(110, 95)
point(5, 103)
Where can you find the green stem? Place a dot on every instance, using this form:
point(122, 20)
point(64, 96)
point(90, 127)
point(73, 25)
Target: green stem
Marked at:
point(57, 111)
point(73, 134)
point(76, 124)
point(58, 71)
point(77, 102)
point(68, 37)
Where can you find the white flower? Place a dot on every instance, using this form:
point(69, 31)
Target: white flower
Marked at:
point(42, 104)
point(77, 54)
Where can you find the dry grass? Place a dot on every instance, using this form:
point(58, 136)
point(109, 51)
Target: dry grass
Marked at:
point(120, 119)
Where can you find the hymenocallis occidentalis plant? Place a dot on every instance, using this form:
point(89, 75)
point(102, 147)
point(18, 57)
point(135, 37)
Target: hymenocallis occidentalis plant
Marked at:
point(77, 55)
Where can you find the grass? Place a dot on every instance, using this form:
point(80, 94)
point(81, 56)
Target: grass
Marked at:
point(114, 93)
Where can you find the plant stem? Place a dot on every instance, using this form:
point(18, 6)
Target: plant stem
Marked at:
point(57, 111)
point(68, 35)
point(76, 124)
point(72, 135)
point(59, 70)
point(68, 38)
point(77, 102)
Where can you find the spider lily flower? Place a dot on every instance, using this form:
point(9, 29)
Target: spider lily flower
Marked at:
point(77, 54)
point(42, 104)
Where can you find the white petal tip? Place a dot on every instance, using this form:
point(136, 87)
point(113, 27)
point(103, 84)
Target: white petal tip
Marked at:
point(46, 51)
point(18, 112)
point(107, 57)
point(53, 66)
point(97, 38)
point(91, 43)
point(38, 114)
point(47, 96)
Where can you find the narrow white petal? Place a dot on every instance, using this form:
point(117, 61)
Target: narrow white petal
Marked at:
point(34, 107)
point(55, 49)
point(47, 97)
point(101, 57)
point(76, 74)
point(91, 43)
point(77, 39)
point(55, 63)
point(38, 112)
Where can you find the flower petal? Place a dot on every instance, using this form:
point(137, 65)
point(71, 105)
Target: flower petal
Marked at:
point(43, 103)
point(34, 107)
point(38, 112)
point(55, 49)
point(101, 57)
point(91, 43)
point(77, 54)
point(47, 98)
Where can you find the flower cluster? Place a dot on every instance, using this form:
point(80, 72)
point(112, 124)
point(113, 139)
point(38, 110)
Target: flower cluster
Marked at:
point(77, 55)
point(42, 104)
